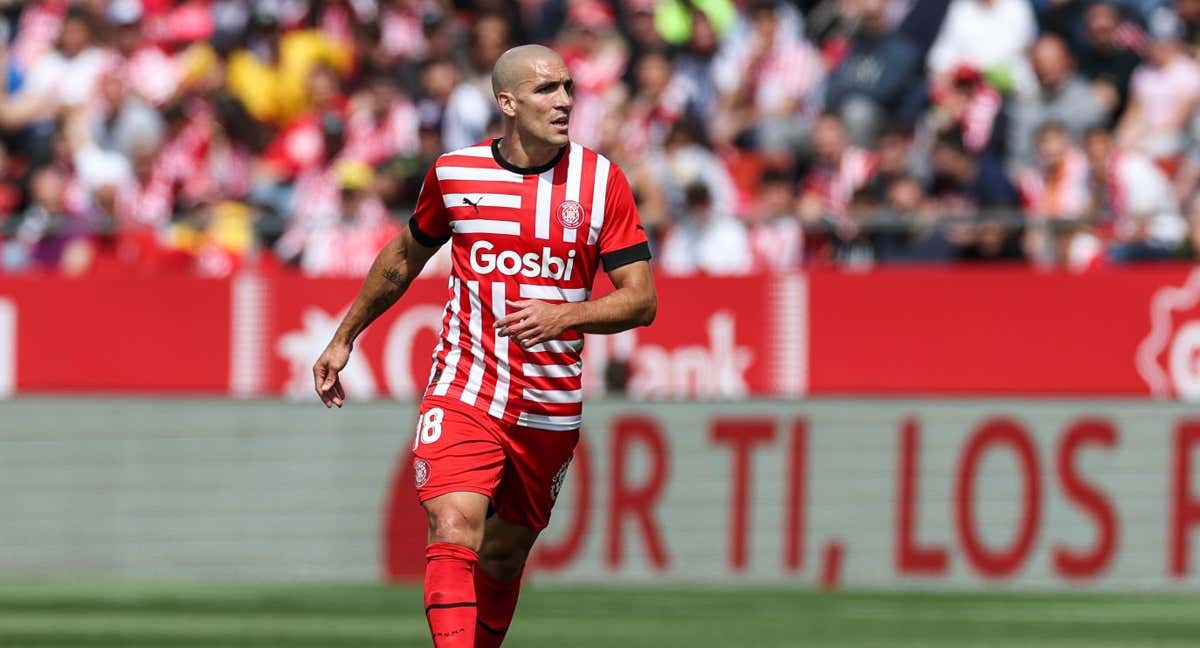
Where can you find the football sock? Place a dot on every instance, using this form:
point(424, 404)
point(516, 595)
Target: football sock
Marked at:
point(450, 594)
point(497, 602)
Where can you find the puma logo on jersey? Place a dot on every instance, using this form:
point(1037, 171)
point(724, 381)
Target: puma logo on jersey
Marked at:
point(475, 205)
point(531, 265)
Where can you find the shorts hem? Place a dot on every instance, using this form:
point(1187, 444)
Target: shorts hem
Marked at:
point(424, 497)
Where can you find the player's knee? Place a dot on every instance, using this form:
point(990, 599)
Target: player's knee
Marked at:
point(453, 526)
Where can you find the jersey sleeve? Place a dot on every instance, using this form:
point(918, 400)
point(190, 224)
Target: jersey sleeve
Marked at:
point(622, 237)
point(430, 222)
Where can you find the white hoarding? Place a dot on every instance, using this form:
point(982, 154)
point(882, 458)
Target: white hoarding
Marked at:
point(1029, 494)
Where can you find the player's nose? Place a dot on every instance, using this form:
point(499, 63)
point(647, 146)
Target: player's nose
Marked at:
point(563, 99)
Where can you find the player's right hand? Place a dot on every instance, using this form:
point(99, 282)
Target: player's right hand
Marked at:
point(325, 374)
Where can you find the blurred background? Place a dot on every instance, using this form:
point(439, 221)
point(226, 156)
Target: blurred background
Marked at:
point(923, 373)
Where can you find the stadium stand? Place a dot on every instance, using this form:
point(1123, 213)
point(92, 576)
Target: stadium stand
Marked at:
point(198, 136)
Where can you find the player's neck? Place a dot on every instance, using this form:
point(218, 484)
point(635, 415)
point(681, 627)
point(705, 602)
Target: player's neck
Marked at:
point(526, 155)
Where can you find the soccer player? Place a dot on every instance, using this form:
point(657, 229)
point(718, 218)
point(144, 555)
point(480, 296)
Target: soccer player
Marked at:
point(530, 217)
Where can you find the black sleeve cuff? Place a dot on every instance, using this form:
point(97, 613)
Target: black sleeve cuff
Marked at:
point(625, 256)
point(423, 238)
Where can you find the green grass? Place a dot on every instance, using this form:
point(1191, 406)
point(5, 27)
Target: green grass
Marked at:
point(143, 615)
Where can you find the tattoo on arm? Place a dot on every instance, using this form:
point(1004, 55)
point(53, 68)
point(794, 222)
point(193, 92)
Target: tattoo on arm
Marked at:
point(393, 275)
point(384, 301)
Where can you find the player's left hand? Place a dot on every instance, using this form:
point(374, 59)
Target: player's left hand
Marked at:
point(533, 322)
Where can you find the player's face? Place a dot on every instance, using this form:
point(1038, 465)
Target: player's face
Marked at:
point(544, 102)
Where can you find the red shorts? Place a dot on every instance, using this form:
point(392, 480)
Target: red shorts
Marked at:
point(460, 448)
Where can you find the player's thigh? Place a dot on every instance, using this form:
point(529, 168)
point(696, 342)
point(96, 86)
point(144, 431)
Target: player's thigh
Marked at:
point(533, 475)
point(455, 451)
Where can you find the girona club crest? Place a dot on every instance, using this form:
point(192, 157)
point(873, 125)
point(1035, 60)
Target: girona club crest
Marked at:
point(1168, 359)
point(570, 214)
point(420, 472)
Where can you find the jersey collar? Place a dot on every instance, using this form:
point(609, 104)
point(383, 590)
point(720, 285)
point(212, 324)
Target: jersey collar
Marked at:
point(522, 170)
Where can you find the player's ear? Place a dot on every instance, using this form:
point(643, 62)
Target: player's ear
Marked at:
point(507, 103)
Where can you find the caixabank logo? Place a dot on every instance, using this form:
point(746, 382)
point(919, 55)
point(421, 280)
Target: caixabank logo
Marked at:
point(1168, 359)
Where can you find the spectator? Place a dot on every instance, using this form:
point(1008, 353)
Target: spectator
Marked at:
point(838, 172)
point(876, 78)
point(1188, 12)
point(314, 137)
point(639, 29)
point(987, 35)
point(971, 111)
point(705, 241)
point(774, 233)
point(919, 238)
point(686, 161)
point(471, 106)
point(61, 156)
point(768, 78)
point(676, 19)
point(396, 34)
point(68, 73)
point(50, 236)
point(337, 19)
point(63, 77)
point(381, 124)
point(1060, 96)
point(1133, 200)
point(1165, 91)
point(345, 235)
point(963, 183)
point(1109, 55)
point(151, 75)
point(1056, 198)
point(145, 201)
point(975, 196)
point(37, 29)
point(694, 70)
point(960, 147)
point(657, 104)
point(117, 119)
point(1057, 186)
point(893, 154)
point(439, 78)
point(270, 73)
point(597, 57)
point(854, 242)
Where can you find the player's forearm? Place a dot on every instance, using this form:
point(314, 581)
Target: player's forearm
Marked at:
point(386, 281)
point(620, 310)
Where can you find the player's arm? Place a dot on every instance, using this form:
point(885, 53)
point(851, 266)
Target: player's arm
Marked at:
point(396, 265)
point(633, 303)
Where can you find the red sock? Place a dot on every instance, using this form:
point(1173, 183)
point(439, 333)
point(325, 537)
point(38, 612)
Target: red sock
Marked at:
point(497, 602)
point(450, 594)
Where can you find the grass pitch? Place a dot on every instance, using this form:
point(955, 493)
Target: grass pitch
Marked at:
point(145, 615)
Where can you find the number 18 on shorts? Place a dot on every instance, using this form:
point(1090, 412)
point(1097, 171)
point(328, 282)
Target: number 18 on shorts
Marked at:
point(461, 449)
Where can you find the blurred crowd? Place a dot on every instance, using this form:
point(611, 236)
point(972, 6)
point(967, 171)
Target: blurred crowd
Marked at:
point(199, 136)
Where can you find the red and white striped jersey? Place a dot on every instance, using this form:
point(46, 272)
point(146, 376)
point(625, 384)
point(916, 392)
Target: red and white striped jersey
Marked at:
point(517, 234)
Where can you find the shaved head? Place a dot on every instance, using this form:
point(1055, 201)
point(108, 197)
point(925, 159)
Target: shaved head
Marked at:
point(533, 90)
point(518, 64)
